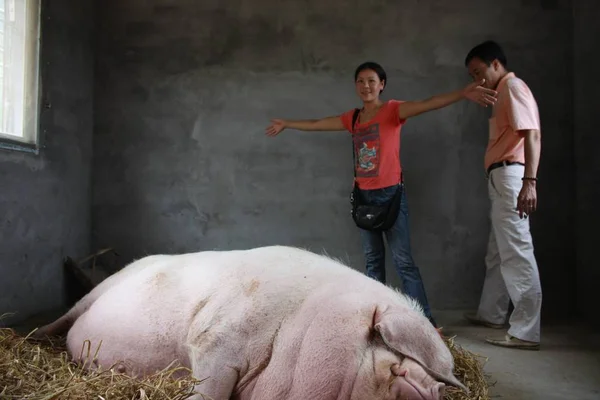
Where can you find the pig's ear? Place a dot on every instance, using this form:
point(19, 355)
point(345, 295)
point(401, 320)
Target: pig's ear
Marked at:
point(413, 336)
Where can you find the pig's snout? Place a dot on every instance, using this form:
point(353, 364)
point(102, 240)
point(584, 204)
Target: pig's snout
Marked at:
point(439, 391)
point(406, 387)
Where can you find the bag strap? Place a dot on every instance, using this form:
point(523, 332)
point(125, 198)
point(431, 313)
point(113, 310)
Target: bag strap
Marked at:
point(354, 118)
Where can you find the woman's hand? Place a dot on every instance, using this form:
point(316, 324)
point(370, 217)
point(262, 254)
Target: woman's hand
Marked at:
point(479, 94)
point(277, 125)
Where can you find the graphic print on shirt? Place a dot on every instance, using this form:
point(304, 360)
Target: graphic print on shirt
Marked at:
point(366, 150)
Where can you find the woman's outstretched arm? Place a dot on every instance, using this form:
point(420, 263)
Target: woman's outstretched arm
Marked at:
point(474, 92)
point(323, 124)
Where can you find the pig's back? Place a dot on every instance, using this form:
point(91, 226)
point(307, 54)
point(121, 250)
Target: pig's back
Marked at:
point(263, 274)
point(269, 275)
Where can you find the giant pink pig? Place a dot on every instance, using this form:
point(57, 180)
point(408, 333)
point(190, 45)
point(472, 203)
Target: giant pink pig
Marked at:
point(270, 323)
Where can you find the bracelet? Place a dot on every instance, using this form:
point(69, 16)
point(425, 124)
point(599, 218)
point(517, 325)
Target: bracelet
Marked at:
point(529, 178)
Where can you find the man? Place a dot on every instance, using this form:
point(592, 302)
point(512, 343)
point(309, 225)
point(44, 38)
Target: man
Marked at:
point(511, 163)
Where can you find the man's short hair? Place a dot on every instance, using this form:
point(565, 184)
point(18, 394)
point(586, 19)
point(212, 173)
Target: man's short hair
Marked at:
point(487, 51)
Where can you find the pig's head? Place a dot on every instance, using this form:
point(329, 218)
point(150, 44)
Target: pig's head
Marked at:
point(406, 359)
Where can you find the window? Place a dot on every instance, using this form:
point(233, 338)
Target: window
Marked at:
point(19, 73)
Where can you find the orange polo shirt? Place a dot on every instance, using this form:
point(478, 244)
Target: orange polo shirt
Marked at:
point(515, 109)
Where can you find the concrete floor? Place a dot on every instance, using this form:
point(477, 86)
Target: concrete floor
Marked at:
point(567, 366)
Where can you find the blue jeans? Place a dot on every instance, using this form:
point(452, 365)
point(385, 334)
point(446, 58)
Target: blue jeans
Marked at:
point(398, 239)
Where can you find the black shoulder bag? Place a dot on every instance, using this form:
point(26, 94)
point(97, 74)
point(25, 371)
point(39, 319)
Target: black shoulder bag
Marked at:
point(372, 217)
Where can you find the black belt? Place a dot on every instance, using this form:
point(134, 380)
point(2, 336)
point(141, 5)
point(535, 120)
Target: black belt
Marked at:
point(502, 164)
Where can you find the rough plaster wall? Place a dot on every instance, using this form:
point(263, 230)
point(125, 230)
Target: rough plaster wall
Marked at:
point(184, 90)
point(586, 105)
point(45, 199)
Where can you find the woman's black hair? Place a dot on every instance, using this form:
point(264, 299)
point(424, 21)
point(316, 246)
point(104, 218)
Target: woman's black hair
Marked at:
point(375, 67)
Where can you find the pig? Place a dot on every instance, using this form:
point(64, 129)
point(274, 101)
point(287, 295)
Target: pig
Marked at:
point(268, 323)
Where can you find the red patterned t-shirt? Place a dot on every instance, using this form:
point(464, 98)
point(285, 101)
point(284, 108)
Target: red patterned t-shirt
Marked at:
point(377, 146)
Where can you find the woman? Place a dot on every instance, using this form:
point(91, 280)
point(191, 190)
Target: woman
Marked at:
point(378, 170)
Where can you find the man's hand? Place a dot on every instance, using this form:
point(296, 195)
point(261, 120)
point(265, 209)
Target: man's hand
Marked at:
point(527, 200)
point(479, 94)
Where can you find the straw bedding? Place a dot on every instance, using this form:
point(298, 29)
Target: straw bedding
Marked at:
point(41, 370)
point(468, 368)
point(36, 369)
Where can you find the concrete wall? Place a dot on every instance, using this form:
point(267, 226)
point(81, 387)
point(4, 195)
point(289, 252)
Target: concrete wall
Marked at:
point(587, 142)
point(184, 90)
point(45, 199)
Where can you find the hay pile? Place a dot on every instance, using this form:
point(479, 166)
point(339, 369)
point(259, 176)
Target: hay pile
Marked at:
point(36, 369)
point(469, 370)
point(41, 370)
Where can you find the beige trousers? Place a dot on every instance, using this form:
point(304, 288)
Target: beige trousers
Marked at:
point(511, 268)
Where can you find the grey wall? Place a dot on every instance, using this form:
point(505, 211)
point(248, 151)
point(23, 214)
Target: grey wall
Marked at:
point(45, 198)
point(587, 142)
point(184, 90)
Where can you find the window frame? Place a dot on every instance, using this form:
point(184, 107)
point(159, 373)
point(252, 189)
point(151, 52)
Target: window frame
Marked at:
point(33, 88)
